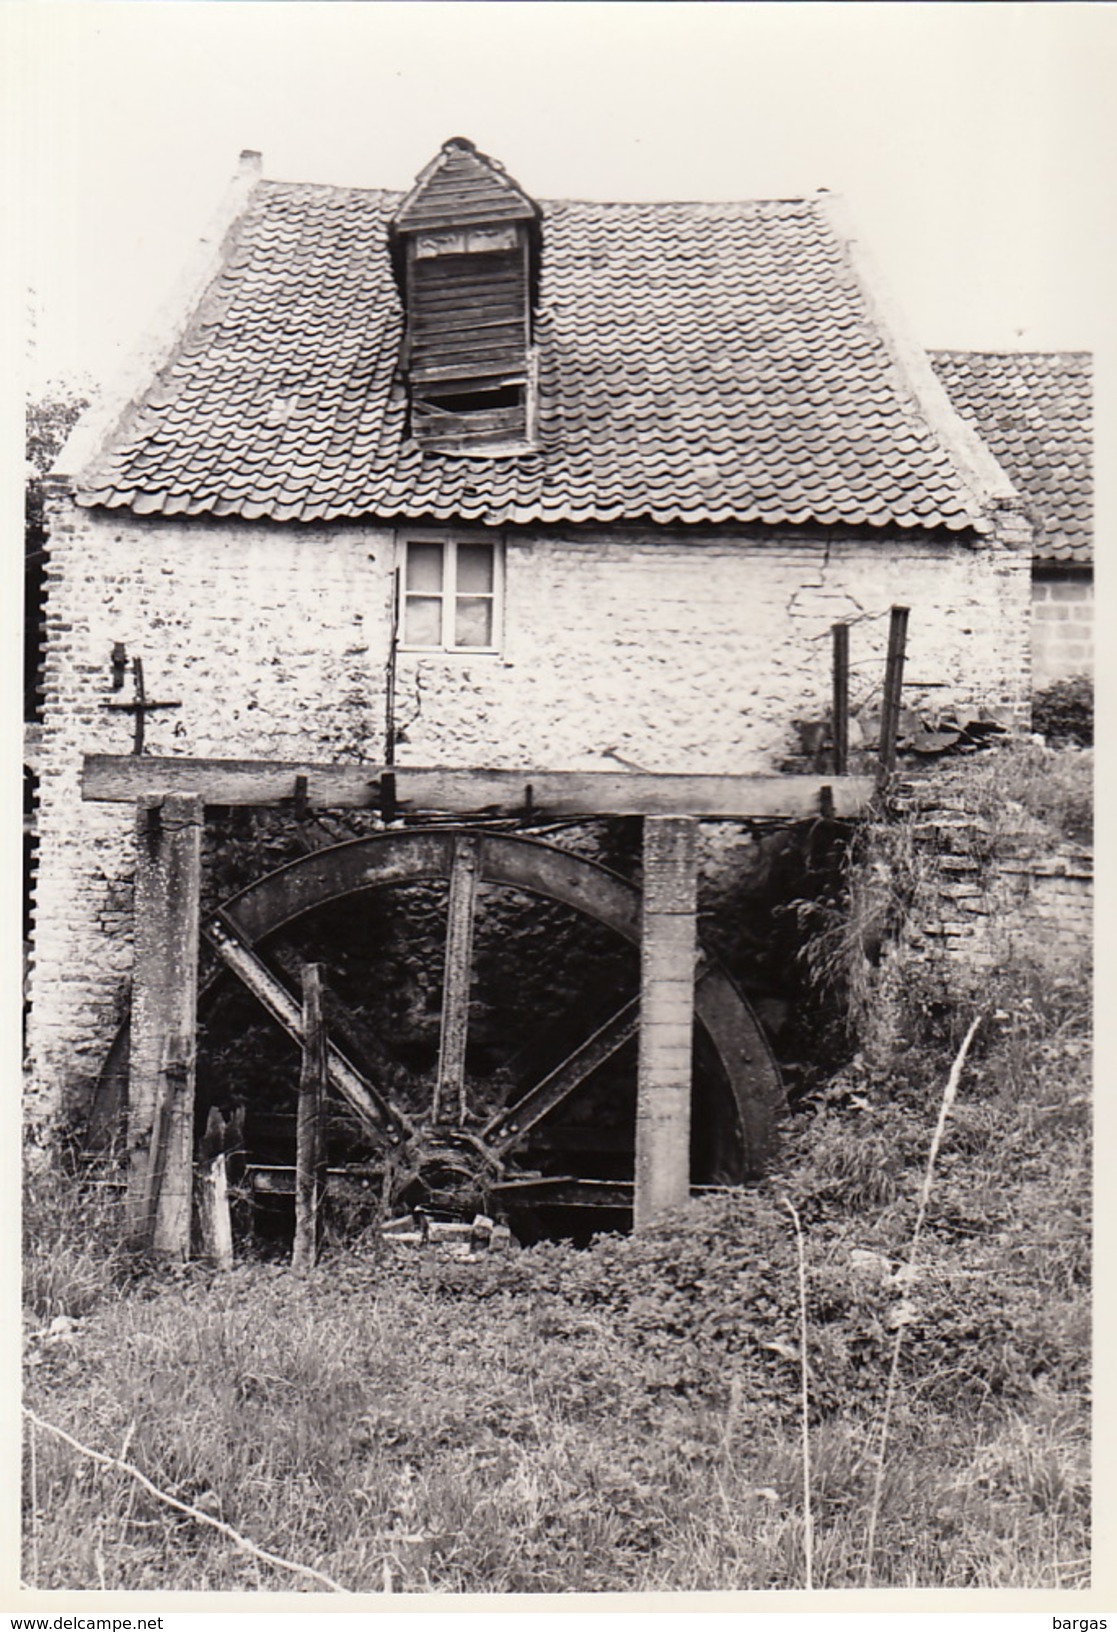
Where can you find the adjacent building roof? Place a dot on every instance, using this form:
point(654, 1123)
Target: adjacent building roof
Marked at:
point(1033, 410)
point(696, 363)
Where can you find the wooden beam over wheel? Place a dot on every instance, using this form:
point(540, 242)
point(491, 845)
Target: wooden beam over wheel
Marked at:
point(164, 1005)
point(119, 777)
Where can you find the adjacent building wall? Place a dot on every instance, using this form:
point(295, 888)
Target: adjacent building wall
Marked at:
point(1062, 624)
point(692, 650)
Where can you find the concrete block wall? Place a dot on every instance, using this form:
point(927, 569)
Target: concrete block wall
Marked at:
point(620, 647)
point(1062, 626)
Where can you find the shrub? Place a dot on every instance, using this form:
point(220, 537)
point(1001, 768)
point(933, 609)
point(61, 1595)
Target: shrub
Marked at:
point(1064, 710)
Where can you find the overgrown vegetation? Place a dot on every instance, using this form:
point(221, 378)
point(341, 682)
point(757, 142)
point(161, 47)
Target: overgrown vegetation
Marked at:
point(73, 1260)
point(627, 1417)
point(877, 986)
point(1064, 711)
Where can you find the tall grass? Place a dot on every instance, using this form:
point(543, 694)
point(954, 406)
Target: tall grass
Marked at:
point(399, 1436)
point(73, 1257)
point(903, 1313)
point(628, 1417)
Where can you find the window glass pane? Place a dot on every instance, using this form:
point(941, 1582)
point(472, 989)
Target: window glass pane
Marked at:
point(475, 569)
point(422, 624)
point(473, 623)
point(424, 567)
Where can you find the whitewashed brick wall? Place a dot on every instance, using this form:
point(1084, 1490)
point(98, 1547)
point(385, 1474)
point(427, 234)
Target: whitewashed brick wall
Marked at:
point(635, 647)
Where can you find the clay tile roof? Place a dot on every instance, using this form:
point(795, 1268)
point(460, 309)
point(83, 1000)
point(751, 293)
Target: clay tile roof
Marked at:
point(697, 363)
point(1033, 410)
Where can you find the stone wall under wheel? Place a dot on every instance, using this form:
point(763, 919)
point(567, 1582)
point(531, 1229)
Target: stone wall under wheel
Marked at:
point(981, 901)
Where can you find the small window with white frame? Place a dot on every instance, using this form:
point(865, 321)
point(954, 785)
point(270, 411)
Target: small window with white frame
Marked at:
point(451, 594)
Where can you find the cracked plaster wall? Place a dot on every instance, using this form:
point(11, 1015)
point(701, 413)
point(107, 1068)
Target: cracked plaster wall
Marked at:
point(636, 648)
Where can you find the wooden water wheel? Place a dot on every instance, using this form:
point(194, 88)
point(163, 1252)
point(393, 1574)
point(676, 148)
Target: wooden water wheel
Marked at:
point(549, 1126)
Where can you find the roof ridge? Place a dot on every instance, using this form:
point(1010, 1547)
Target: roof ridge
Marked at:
point(277, 182)
point(679, 203)
point(967, 351)
point(390, 194)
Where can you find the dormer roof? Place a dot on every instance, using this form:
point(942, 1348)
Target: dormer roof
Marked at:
point(696, 363)
point(461, 186)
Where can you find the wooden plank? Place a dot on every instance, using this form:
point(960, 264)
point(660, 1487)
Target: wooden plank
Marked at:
point(355, 1182)
point(466, 317)
point(310, 1133)
point(376, 1112)
point(505, 364)
point(450, 356)
point(614, 1194)
point(441, 438)
point(436, 434)
point(444, 276)
point(486, 424)
point(164, 1005)
point(508, 1127)
point(430, 324)
point(557, 1191)
point(893, 688)
point(449, 1092)
point(121, 778)
point(448, 311)
point(355, 1036)
point(215, 1224)
point(839, 723)
point(668, 946)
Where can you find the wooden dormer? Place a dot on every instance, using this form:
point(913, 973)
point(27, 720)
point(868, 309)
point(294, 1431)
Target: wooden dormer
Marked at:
point(465, 245)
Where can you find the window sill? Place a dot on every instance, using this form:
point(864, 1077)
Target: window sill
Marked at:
point(448, 651)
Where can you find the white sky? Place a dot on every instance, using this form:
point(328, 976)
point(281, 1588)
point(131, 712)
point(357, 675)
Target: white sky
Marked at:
point(974, 143)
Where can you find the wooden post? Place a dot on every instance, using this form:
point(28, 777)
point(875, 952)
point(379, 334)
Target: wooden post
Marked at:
point(893, 686)
point(214, 1224)
point(839, 724)
point(449, 1093)
point(310, 1149)
point(164, 1004)
point(667, 952)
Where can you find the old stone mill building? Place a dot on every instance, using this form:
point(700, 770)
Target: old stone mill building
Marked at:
point(442, 546)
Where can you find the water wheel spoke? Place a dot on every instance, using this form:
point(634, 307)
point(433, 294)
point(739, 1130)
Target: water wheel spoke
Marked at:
point(509, 1126)
point(449, 1092)
point(355, 1037)
point(374, 1108)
